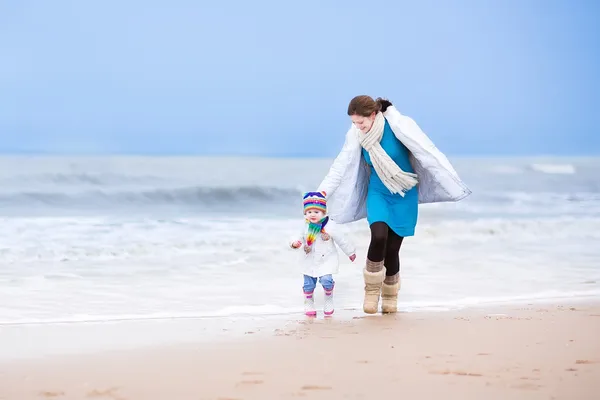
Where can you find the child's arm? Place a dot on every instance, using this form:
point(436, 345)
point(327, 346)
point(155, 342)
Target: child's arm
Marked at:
point(297, 240)
point(343, 241)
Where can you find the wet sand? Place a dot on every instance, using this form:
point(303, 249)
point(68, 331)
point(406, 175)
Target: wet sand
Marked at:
point(531, 352)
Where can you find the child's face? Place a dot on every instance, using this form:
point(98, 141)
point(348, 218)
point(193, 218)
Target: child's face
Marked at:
point(314, 215)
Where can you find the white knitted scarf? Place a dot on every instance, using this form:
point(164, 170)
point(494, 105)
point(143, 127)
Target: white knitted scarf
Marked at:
point(392, 176)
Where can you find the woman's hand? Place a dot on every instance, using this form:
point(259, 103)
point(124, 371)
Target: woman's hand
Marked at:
point(296, 244)
point(325, 236)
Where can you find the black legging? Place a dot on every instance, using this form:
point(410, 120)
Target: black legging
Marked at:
point(385, 246)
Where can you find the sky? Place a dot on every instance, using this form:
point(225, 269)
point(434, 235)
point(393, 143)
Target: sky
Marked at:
point(274, 78)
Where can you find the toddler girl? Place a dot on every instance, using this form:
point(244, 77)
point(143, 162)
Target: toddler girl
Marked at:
point(320, 259)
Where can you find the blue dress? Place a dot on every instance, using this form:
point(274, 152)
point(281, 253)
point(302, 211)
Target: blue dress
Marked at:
point(399, 213)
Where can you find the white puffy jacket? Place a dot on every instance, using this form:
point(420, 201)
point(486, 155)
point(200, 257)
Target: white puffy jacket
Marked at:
point(347, 180)
point(323, 259)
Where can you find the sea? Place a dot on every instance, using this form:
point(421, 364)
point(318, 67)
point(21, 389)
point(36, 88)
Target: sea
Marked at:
point(88, 239)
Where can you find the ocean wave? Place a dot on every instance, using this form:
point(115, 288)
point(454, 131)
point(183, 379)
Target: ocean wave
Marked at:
point(568, 169)
point(193, 196)
point(506, 169)
point(83, 179)
point(539, 198)
point(544, 168)
point(524, 229)
point(231, 243)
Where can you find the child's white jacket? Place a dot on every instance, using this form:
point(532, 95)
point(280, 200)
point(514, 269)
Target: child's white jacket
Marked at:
point(323, 259)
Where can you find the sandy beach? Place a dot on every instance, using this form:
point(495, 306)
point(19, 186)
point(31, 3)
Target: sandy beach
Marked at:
point(528, 352)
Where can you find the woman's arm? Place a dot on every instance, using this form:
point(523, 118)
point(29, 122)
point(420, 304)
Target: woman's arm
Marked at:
point(342, 239)
point(334, 177)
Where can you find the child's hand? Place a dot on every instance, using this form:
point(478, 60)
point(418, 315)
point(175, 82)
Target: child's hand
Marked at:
point(296, 244)
point(352, 257)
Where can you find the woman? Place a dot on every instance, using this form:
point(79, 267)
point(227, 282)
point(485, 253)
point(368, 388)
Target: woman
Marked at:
point(386, 167)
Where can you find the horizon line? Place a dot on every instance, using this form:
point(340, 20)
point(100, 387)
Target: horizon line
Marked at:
point(274, 155)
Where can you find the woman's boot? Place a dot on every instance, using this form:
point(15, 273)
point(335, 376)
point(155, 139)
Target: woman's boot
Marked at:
point(389, 294)
point(373, 275)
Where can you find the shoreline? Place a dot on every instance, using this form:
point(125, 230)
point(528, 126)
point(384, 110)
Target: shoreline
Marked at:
point(589, 297)
point(529, 352)
point(50, 339)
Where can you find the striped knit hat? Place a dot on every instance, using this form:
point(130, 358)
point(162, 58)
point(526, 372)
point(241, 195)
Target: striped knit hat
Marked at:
point(315, 201)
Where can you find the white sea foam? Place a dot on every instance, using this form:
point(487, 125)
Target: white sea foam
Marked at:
point(554, 168)
point(104, 249)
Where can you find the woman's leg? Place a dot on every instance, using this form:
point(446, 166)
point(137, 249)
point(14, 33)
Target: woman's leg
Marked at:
point(391, 283)
point(374, 271)
point(379, 238)
point(392, 256)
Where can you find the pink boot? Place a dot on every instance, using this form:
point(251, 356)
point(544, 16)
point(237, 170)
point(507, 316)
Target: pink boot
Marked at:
point(328, 307)
point(309, 304)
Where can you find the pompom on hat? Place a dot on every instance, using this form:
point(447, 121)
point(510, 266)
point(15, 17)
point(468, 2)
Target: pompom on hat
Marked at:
point(315, 201)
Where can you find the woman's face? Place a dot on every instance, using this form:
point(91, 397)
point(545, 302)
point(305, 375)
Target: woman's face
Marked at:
point(363, 123)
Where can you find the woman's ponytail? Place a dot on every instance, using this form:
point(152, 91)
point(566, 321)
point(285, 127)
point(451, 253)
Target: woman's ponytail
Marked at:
point(383, 104)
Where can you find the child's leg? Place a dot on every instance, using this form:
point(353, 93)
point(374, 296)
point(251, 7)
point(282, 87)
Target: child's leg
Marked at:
point(309, 302)
point(328, 283)
point(309, 284)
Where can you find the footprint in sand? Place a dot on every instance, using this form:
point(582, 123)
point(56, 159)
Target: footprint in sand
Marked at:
point(458, 373)
point(584, 362)
point(315, 387)
point(110, 393)
point(251, 382)
point(462, 373)
point(47, 393)
point(527, 386)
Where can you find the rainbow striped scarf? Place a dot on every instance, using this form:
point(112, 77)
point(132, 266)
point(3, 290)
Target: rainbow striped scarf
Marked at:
point(315, 229)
